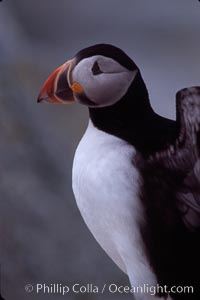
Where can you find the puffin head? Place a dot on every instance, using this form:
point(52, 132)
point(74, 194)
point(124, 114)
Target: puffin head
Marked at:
point(98, 76)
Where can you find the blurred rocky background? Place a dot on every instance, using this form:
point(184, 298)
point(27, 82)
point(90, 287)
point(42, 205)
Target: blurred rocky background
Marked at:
point(43, 238)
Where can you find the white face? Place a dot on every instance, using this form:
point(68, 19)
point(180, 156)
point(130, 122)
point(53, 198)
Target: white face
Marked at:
point(103, 80)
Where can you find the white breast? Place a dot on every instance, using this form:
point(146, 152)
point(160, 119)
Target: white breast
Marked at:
point(106, 186)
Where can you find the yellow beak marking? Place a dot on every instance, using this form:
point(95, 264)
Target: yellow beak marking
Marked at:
point(75, 87)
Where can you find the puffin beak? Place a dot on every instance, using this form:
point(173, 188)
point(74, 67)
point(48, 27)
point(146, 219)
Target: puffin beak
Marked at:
point(58, 87)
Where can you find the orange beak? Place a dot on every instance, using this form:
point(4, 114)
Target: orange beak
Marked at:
point(58, 87)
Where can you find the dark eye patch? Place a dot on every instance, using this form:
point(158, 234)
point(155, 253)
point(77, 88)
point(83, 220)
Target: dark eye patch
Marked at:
point(96, 69)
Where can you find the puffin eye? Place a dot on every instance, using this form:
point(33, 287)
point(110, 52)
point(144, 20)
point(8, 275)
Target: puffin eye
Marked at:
point(96, 69)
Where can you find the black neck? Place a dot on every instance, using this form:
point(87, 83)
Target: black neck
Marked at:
point(132, 119)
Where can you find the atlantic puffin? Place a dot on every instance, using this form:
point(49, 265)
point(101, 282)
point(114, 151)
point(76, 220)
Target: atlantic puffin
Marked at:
point(136, 175)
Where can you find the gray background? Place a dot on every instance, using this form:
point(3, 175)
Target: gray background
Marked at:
point(42, 235)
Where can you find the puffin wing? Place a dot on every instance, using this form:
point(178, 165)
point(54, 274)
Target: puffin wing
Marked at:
point(183, 158)
point(189, 198)
point(188, 112)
